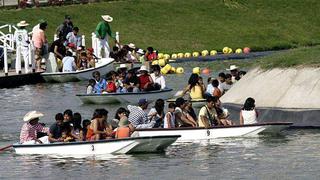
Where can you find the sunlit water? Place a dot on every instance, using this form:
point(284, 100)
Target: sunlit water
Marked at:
point(292, 155)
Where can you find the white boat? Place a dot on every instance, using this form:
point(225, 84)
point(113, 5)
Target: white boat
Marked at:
point(196, 103)
point(103, 65)
point(193, 134)
point(149, 144)
point(130, 97)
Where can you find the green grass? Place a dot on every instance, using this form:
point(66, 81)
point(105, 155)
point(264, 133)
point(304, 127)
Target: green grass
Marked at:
point(192, 25)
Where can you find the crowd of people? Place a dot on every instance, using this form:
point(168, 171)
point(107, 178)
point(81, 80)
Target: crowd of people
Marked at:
point(124, 80)
point(69, 126)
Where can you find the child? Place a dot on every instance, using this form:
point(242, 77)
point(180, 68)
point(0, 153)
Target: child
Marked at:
point(248, 114)
point(91, 58)
point(85, 125)
point(151, 54)
point(216, 91)
point(111, 85)
point(66, 132)
point(169, 119)
point(90, 87)
point(123, 129)
point(83, 62)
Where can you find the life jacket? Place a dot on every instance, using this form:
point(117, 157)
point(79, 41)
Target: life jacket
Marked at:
point(122, 132)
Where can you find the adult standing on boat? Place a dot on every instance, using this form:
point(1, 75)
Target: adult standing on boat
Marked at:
point(64, 28)
point(31, 128)
point(248, 114)
point(138, 117)
point(101, 84)
point(39, 41)
point(207, 115)
point(180, 117)
point(103, 29)
point(22, 41)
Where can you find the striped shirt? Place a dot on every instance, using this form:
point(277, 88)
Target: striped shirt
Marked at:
point(29, 132)
point(138, 118)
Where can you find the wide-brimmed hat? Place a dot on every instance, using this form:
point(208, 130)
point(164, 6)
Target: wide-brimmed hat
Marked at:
point(143, 68)
point(32, 115)
point(141, 51)
point(232, 67)
point(131, 45)
point(22, 24)
point(107, 18)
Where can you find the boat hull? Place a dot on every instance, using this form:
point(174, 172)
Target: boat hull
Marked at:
point(194, 134)
point(112, 98)
point(112, 146)
point(86, 74)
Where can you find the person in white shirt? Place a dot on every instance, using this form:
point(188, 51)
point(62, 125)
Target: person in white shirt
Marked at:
point(157, 77)
point(74, 37)
point(21, 39)
point(248, 114)
point(69, 63)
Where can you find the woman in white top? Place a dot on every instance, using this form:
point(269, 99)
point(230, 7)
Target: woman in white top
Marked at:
point(248, 114)
point(157, 113)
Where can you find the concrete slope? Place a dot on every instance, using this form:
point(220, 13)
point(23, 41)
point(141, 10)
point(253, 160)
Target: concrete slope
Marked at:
point(278, 88)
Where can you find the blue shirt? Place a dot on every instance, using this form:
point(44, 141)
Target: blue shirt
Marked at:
point(100, 86)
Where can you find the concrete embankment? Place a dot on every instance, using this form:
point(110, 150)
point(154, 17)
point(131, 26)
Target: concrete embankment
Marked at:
point(291, 94)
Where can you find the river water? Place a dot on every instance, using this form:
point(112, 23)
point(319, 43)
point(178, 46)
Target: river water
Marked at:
point(294, 154)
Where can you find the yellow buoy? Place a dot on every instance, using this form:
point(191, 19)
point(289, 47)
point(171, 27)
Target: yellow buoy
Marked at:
point(174, 56)
point(187, 55)
point(230, 51)
point(195, 54)
point(180, 70)
point(239, 51)
point(225, 50)
point(155, 62)
point(173, 70)
point(213, 52)
point(180, 55)
point(166, 69)
point(166, 56)
point(204, 53)
point(160, 56)
point(196, 70)
point(162, 62)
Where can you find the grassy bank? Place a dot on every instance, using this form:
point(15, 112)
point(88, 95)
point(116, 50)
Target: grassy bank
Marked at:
point(192, 25)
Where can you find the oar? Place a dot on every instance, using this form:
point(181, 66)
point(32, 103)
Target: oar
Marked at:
point(5, 148)
point(178, 93)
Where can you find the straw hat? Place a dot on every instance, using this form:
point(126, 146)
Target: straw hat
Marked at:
point(232, 67)
point(107, 18)
point(32, 115)
point(132, 46)
point(143, 68)
point(140, 51)
point(22, 24)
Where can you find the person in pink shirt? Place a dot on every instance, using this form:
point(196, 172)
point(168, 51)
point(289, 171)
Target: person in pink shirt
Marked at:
point(31, 128)
point(39, 39)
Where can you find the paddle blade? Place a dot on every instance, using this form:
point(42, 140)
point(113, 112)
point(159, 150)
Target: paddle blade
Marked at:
point(178, 93)
point(5, 148)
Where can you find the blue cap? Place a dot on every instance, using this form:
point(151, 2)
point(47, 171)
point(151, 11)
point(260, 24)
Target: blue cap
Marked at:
point(143, 101)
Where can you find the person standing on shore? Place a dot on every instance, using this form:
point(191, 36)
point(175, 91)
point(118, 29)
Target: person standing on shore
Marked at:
point(103, 29)
point(22, 41)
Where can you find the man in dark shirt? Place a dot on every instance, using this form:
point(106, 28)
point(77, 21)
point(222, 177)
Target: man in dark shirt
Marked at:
point(131, 83)
point(64, 28)
point(58, 49)
point(55, 131)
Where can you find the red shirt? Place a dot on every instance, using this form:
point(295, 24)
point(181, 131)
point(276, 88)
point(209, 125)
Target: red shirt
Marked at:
point(144, 79)
point(152, 56)
point(111, 87)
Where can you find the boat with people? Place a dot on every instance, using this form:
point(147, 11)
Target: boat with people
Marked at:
point(151, 144)
point(192, 134)
point(103, 65)
point(128, 97)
